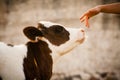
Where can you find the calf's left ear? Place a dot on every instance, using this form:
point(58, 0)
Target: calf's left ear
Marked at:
point(32, 32)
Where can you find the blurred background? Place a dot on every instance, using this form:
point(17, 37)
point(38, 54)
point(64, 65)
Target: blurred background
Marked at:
point(96, 59)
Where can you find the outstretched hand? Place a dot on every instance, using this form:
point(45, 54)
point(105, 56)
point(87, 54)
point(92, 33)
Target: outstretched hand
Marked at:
point(87, 15)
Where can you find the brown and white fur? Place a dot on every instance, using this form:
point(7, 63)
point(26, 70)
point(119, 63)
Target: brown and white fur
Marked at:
point(34, 60)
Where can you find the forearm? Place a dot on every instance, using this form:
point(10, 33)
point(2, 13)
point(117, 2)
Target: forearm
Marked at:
point(110, 8)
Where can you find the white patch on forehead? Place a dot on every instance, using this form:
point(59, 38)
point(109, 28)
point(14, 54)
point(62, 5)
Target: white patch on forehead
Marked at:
point(48, 24)
point(11, 61)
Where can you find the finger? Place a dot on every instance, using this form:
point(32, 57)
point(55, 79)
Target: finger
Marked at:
point(82, 19)
point(86, 21)
point(82, 16)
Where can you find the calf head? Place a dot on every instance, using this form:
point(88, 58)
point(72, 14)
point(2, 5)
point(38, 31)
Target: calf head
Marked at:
point(60, 39)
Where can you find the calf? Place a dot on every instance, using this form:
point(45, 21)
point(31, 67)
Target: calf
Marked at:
point(33, 61)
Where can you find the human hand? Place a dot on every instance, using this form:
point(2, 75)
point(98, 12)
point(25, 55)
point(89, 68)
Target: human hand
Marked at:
point(88, 14)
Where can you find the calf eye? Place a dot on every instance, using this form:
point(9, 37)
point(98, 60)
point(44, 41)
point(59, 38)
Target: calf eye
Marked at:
point(58, 29)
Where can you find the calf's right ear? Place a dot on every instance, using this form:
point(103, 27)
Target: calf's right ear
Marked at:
point(32, 32)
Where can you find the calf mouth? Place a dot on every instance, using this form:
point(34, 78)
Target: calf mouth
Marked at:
point(83, 38)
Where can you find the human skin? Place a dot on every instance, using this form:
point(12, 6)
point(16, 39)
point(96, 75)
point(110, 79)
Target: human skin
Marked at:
point(107, 8)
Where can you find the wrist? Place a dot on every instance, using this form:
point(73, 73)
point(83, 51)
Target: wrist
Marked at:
point(99, 8)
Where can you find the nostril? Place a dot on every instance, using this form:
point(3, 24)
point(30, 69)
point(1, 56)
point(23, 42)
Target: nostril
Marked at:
point(82, 30)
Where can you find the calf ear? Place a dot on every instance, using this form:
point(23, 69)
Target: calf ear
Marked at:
point(41, 26)
point(32, 32)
